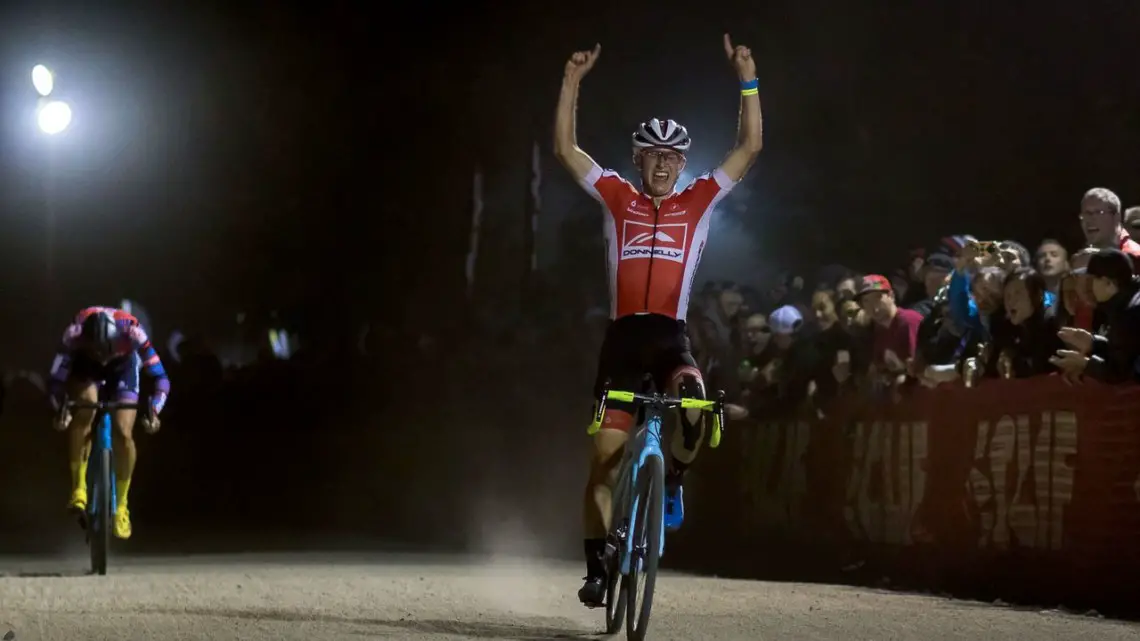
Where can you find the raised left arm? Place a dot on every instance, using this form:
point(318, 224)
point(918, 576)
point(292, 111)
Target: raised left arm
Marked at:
point(750, 131)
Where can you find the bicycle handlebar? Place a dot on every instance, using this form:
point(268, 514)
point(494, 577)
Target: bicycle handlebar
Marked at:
point(101, 405)
point(150, 425)
point(662, 401)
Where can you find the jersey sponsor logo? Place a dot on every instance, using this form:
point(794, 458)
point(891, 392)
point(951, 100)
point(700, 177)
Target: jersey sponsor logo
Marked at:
point(636, 210)
point(681, 212)
point(643, 240)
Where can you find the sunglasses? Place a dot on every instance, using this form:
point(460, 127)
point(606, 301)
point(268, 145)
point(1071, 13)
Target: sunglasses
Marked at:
point(759, 330)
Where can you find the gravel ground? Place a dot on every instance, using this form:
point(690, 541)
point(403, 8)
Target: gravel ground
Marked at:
point(342, 596)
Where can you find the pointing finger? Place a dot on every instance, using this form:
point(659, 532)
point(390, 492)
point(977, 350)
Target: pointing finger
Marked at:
point(597, 50)
point(727, 46)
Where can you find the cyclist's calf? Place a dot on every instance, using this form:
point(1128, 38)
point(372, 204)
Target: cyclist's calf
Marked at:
point(124, 445)
point(79, 429)
point(609, 446)
point(124, 422)
point(687, 382)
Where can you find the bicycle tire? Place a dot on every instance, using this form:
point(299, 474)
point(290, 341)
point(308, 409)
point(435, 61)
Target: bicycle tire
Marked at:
point(616, 591)
point(99, 535)
point(647, 544)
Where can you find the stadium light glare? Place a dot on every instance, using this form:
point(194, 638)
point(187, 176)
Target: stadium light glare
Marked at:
point(43, 80)
point(54, 117)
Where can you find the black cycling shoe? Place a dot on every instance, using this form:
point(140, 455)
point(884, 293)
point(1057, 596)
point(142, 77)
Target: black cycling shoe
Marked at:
point(592, 594)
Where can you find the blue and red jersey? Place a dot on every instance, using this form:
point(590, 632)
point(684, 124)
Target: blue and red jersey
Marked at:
point(131, 339)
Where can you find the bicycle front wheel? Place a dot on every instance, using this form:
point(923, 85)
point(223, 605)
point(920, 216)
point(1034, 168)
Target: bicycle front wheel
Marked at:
point(647, 533)
point(99, 530)
point(616, 590)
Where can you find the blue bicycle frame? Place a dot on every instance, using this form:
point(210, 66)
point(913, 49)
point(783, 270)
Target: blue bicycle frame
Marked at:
point(100, 441)
point(646, 442)
point(641, 476)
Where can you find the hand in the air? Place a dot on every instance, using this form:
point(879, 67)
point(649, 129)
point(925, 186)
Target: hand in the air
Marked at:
point(581, 62)
point(968, 256)
point(741, 59)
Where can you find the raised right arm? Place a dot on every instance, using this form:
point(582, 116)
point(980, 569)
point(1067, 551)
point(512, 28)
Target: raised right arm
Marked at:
point(576, 161)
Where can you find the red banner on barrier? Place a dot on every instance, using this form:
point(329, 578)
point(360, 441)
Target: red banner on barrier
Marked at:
point(1004, 468)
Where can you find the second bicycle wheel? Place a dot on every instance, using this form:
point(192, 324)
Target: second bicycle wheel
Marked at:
point(616, 590)
point(647, 533)
point(99, 527)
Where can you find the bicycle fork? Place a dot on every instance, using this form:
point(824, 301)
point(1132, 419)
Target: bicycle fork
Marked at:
point(101, 440)
point(617, 551)
point(620, 545)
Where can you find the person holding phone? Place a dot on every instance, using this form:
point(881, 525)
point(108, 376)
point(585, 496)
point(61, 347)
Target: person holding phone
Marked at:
point(963, 306)
point(834, 343)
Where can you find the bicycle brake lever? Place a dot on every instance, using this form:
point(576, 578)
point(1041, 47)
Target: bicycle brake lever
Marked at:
point(720, 417)
point(596, 425)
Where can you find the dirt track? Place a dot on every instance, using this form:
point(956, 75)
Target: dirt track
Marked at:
point(419, 598)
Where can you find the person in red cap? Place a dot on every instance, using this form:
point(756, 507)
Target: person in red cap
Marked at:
point(895, 331)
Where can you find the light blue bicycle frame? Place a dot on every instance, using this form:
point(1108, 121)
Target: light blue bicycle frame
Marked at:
point(646, 442)
point(100, 440)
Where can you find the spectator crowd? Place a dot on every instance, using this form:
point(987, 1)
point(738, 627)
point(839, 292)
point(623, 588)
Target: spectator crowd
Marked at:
point(955, 314)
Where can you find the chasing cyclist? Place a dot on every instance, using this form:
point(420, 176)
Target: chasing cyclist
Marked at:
point(105, 346)
point(654, 239)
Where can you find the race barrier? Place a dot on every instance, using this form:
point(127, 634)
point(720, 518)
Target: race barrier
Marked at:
point(1029, 486)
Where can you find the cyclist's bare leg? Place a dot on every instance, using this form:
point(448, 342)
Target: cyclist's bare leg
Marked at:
point(597, 504)
point(686, 442)
point(597, 508)
point(125, 453)
point(79, 433)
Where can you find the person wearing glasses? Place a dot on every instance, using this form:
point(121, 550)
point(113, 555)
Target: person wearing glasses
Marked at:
point(1102, 222)
point(655, 236)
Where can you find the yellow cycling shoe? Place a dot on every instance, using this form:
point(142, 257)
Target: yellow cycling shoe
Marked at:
point(123, 523)
point(78, 500)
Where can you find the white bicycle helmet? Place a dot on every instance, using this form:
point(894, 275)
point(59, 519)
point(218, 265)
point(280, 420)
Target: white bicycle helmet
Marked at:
point(661, 133)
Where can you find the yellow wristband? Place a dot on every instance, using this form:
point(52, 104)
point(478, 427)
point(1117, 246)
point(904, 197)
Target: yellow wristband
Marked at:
point(749, 92)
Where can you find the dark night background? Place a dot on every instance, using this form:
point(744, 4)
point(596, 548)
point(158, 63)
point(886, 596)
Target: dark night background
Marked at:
point(317, 162)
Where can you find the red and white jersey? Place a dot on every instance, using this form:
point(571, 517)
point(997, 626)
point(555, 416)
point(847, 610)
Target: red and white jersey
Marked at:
point(653, 252)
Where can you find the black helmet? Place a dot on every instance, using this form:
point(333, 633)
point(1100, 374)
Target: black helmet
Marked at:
point(98, 335)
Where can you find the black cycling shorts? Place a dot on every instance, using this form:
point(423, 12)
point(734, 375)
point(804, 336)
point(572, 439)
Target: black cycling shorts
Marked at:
point(644, 344)
point(119, 377)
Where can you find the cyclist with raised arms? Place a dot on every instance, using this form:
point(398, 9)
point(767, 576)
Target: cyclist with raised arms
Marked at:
point(654, 239)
